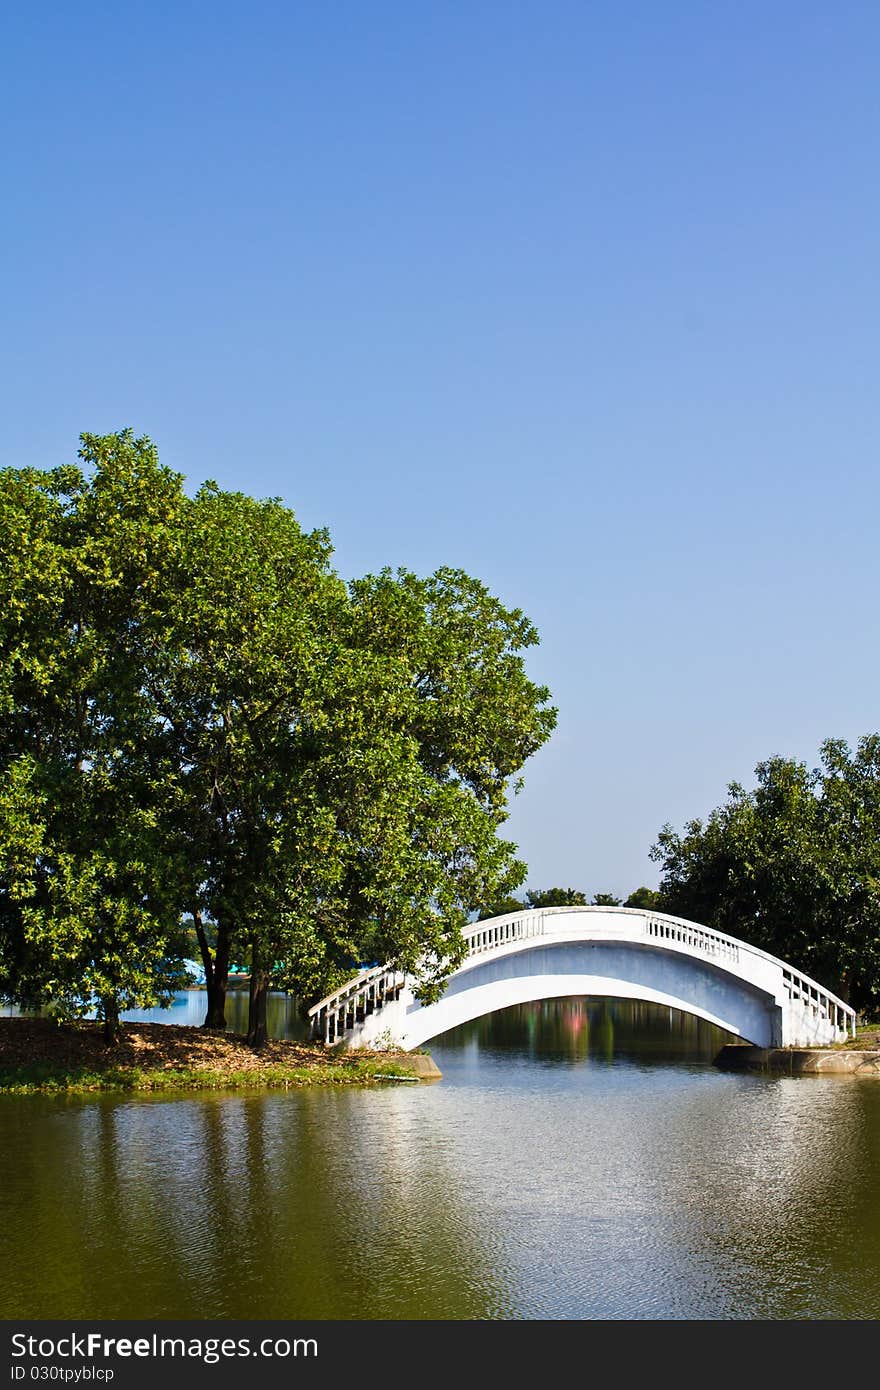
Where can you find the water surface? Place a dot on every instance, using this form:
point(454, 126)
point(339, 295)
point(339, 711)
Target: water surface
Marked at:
point(578, 1160)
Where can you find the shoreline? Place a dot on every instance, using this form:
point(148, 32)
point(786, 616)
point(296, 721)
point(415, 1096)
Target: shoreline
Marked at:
point(39, 1056)
point(800, 1061)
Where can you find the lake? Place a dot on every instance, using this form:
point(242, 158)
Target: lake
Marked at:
point(580, 1159)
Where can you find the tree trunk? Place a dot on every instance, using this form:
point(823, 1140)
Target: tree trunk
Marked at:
point(216, 973)
point(110, 1010)
point(258, 1032)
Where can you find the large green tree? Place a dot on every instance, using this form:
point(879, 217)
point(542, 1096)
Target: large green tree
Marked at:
point(198, 716)
point(792, 865)
point(345, 753)
point(237, 670)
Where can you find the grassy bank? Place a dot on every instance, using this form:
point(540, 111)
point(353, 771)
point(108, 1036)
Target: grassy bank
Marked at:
point(37, 1055)
point(867, 1037)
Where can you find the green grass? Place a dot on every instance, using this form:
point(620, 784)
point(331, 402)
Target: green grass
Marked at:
point(51, 1078)
point(865, 1038)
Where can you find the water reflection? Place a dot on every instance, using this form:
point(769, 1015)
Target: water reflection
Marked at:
point(188, 1006)
point(580, 1160)
point(577, 1030)
point(271, 1206)
point(671, 1191)
point(284, 1015)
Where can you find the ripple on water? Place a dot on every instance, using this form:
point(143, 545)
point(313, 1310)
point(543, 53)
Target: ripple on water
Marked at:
point(541, 1178)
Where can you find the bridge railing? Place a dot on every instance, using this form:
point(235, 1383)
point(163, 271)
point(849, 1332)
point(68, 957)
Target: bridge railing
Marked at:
point(712, 943)
point(800, 988)
point(373, 987)
point(498, 931)
point(332, 1016)
point(821, 1003)
point(350, 1004)
point(376, 986)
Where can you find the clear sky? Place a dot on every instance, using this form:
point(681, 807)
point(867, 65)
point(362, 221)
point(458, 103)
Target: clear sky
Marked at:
point(580, 297)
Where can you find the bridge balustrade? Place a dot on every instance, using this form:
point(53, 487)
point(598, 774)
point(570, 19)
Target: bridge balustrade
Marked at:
point(351, 1004)
point(342, 1011)
point(689, 934)
point(487, 936)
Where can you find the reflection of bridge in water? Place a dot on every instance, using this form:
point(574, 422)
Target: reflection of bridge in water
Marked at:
point(617, 952)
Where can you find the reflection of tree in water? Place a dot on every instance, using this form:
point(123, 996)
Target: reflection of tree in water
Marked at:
point(378, 1213)
point(319, 1204)
point(284, 1015)
point(114, 1227)
point(578, 1029)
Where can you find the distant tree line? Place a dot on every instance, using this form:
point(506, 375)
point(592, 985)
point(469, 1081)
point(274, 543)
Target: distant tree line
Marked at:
point(200, 721)
point(568, 897)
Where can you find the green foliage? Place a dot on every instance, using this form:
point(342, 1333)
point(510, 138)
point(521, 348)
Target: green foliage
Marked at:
point(198, 716)
point(500, 907)
point(85, 870)
point(649, 899)
point(551, 897)
point(555, 897)
point(792, 866)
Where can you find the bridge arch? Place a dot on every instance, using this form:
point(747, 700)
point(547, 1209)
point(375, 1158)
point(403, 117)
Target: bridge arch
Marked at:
point(613, 952)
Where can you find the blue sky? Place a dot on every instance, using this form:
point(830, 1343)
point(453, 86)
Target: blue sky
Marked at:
point(580, 297)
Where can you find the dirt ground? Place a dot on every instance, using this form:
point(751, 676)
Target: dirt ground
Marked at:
point(24, 1041)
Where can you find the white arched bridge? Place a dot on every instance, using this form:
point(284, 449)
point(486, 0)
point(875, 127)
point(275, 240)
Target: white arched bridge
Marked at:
point(616, 952)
